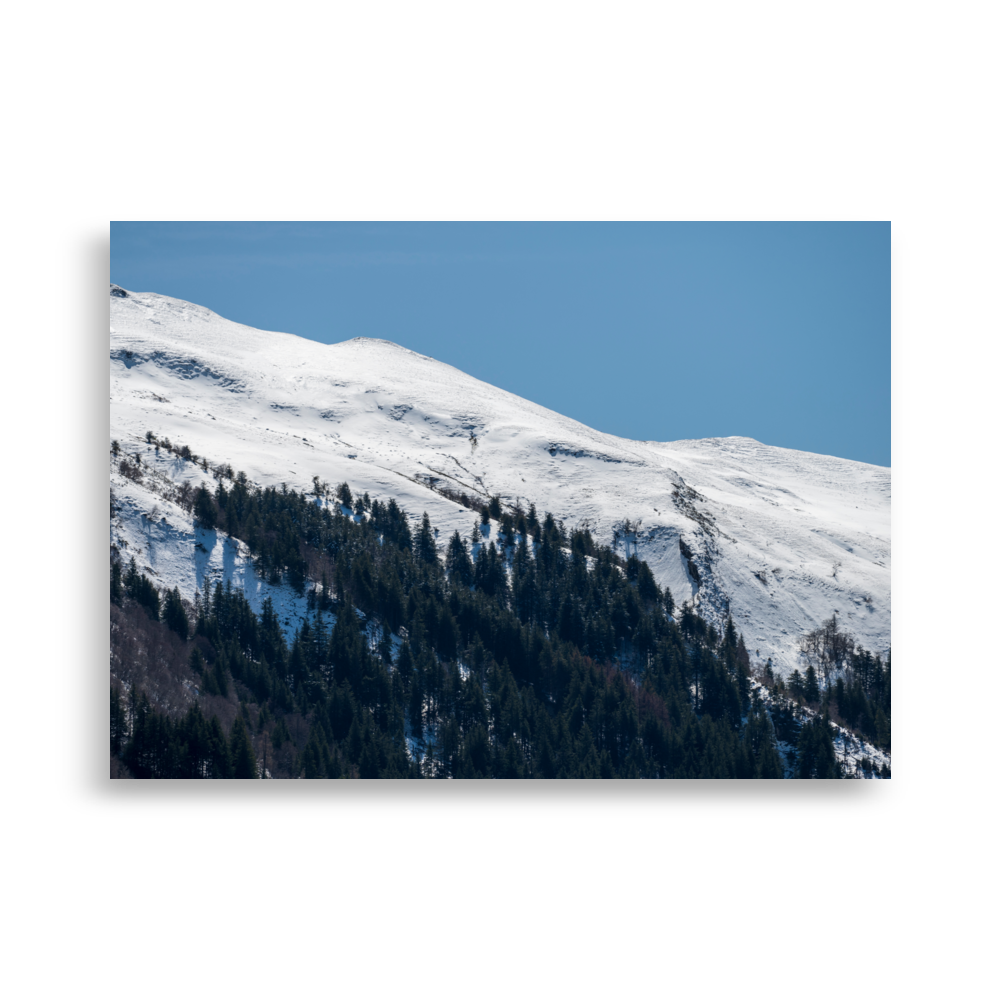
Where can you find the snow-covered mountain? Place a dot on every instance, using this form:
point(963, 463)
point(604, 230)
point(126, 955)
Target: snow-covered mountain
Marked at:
point(781, 538)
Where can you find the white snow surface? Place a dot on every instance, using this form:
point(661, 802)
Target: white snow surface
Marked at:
point(782, 538)
point(173, 551)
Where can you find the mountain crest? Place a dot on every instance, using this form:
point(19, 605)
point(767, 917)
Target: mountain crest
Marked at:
point(781, 539)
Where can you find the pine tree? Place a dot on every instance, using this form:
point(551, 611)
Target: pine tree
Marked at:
point(404, 665)
point(138, 752)
point(244, 762)
point(174, 616)
point(196, 662)
point(882, 730)
point(426, 548)
point(218, 750)
point(119, 730)
point(204, 508)
point(457, 561)
point(415, 711)
point(646, 584)
point(729, 635)
point(816, 755)
point(768, 762)
point(385, 645)
point(280, 736)
point(668, 601)
point(315, 761)
point(796, 684)
point(369, 764)
point(215, 680)
point(810, 690)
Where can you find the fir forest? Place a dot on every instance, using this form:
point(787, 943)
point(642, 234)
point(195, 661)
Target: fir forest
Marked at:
point(524, 650)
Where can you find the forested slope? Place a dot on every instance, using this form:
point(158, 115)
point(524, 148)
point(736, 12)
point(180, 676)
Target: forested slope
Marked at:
point(535, 653)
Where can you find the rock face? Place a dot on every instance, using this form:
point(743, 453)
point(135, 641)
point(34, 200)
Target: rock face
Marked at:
point(778, 538)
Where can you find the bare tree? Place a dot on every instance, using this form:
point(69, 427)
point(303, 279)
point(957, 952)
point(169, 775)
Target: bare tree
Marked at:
point(827, 648)
point(185, 496)
point(627, 532)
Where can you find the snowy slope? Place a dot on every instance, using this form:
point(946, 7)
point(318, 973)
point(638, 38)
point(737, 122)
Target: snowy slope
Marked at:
point(173, 551)
point(783, 538)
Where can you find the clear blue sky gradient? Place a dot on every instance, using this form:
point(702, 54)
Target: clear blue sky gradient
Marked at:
point(653, 331)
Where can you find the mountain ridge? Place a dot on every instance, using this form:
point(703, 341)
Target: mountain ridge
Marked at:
point(771, 531)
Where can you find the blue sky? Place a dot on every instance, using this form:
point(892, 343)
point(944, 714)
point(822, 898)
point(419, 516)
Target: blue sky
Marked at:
point(662, 331)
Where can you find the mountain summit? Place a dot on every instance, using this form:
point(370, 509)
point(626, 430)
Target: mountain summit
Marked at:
point(780, 539)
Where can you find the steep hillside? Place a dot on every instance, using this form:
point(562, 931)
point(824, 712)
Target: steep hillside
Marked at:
point(783, 539)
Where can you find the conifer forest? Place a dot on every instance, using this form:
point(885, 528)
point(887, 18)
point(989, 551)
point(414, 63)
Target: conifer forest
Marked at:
point(524, 650)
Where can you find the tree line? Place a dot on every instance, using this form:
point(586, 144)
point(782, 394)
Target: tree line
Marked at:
point(539, 653)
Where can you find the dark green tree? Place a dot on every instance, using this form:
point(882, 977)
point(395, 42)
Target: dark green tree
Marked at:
point(810, 690)
point(204, 508)
point(796, 685)
point(816, 756)
point(769, 764)
point(174, 616)
point(315, 759)
point(371, 761)
point(244, 762)
point(426, 548)
point(196, 662)
point(457, 561)
point(119, 728)
point(216, 681)
point(218, 751)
